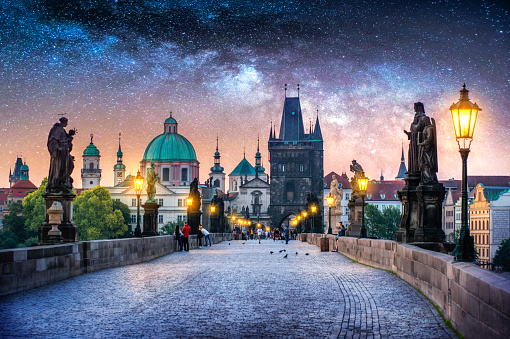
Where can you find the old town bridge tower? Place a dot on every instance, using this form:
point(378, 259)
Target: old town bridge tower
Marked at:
point(297, 167)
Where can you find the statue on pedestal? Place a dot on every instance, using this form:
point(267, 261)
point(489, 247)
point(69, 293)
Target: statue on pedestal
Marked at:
point(416, 127)
point(428, 151)
point(60, 145)
point(152, 178)
point(337, 194)
point(358, 173)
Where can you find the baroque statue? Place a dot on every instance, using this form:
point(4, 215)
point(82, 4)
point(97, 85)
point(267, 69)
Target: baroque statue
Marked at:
point(416, 127)
point(428, 151)
point(358, 173)
point(195, 194)
point(60, 145)
point(336, 193)
point(152, 178)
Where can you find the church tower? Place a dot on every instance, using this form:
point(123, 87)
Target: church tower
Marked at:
point(217, 176)
point(296, 160)
point(90, 173)
point(119, 169)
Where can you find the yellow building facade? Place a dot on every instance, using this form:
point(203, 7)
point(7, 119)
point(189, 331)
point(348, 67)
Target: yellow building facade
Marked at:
point(479, 216)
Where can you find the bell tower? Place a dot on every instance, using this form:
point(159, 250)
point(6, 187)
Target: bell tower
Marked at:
point(119, 169)
point(90, 173)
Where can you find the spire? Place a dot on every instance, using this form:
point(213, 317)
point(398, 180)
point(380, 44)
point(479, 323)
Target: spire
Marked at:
point(298, 90)
point(317, 132)
point(382, 176)
point(271, 131)
point(258, 163)
point(217, 168)
point(119, 152)
point(402, 169)
point(285, 90)
point(216, 143)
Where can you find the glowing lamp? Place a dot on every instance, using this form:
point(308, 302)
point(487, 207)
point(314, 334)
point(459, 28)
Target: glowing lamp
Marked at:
point(189, 201)
point(464, 114)
point(138, 183)
point(305, 214)
point(330, 200)
point(314, 208)
point(298, 217)
point(362, 184)
point(213, 208)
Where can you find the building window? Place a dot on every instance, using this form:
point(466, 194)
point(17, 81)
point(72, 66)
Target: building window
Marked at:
point(216, 183)
point(289, 191)
point(184, 174)
point(91, 165)
point(181, 218)
point(347, 196)
point(179, 202)
point(133, 202)
point(166, 174)
point(383, 196)
point(160, 202)
point(160, 218)
point(91, 182)
point(133, 218)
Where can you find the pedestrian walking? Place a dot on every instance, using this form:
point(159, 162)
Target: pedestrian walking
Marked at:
point(276, 234)
point(206, 235)
point(177, 232)
point(259, 234)
point(200, 235)
point(287, 234)
point(185, 233)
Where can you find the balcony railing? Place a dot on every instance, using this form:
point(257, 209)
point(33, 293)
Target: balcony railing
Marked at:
point(88, 170)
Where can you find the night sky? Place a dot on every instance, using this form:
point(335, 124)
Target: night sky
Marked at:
point(220, 66)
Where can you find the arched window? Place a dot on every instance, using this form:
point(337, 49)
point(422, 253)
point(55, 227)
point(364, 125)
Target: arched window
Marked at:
point(184, 174)
point(216, 183)
point(91, 165)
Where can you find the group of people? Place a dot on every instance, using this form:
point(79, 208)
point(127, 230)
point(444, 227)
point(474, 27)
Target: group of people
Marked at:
point(182, 236)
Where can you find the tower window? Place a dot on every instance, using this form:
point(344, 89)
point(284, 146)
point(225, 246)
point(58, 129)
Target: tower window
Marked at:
point(289, 191)
point(216, 183)
point(184, 174)
point(91, 165)
point(91, 182)
point(166, 174)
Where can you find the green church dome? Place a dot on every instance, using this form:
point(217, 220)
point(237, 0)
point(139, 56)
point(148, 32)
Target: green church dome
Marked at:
point(24, 167)
point(169, 146)
point(170, 121)
point(91, 150)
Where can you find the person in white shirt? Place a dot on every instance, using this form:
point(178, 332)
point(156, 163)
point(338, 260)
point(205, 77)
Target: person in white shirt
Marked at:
point(206, 235)
point(259, 234)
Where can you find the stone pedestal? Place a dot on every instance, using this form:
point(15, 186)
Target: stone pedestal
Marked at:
point(69, 231)
point(409, 222)
point(355, 217)
point(421, 220)
point(194, 221)
point(150, 219)
point(336, 221)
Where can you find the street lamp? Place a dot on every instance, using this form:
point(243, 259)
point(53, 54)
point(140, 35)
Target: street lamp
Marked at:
point(138, 191)
point(464, 114)
point(331, 199)
point(362, 185)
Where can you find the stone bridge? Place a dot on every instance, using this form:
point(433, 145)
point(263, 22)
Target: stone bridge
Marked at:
point(239, 289)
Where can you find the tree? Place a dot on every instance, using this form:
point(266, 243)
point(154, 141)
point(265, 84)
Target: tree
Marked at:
point(34, 207)
point(95, 217)
point(502, 256)
point(169, 227)
point(117, 205)
point(15, 233)
point(382, 225)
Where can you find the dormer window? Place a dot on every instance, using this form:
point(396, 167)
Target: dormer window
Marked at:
point(383, 196)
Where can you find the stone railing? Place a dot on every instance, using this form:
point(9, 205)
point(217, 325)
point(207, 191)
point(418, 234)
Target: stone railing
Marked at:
point(25, 268)
point(476, 301)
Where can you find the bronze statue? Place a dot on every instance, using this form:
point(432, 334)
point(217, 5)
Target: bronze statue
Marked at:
point(195, 194)
point(61, 161)
point(428, 151)
point(152, 177)
point(416, 127)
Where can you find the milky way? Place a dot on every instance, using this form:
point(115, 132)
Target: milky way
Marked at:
point(220, 67)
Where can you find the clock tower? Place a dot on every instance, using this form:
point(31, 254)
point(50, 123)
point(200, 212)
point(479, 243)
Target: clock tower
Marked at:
point(119, 169)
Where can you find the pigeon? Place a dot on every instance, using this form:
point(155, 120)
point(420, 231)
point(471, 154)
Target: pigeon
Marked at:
point(285, 250)
point(280, 251)
point(307, 253)
point(244, 243)
point(296, 253)
point(285, 256)
point(229, 244)
point(271, 252)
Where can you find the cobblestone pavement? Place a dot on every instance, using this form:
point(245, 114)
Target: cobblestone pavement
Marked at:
point(231, 290)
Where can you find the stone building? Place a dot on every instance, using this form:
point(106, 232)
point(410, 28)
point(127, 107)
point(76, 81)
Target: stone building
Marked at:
point(297, 164)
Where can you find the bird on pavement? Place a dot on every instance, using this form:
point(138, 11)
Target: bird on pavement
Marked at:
point(280, 251)
point(271, 252)
point(229, 243)
point(244, 243)
point(285, 256)
point(296, 253)
point(307, 253)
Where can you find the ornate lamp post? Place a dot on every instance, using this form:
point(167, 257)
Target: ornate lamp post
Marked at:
point(331, 200)
point(464, 114)
point(362, 185)
point(138, 190)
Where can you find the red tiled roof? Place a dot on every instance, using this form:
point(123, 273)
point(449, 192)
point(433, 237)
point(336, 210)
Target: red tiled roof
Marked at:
point(387, 188)
point(4, 192)
point(27, 184)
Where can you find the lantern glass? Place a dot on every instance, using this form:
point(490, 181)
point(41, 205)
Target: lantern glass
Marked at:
point(138, 183)
point(330, 200)
point(362, 184)
point(314, 209)
point(213, 208)
point(305, 214)
point(189, 201)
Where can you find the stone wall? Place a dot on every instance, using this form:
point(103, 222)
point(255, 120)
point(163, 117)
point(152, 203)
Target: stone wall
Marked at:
point(25, 268)
point(475, 300)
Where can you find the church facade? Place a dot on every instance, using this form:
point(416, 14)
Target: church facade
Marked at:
point(297, 164)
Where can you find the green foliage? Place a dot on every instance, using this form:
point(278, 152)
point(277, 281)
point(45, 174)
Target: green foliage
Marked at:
point(8, 239)
point(15, 222)
point(34, 207)
point(502, 256)
point(95, 217)
point(169, 227)
point(381, 225)
point(117, 205)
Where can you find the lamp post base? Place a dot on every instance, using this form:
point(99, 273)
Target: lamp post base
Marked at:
point(465, 248)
